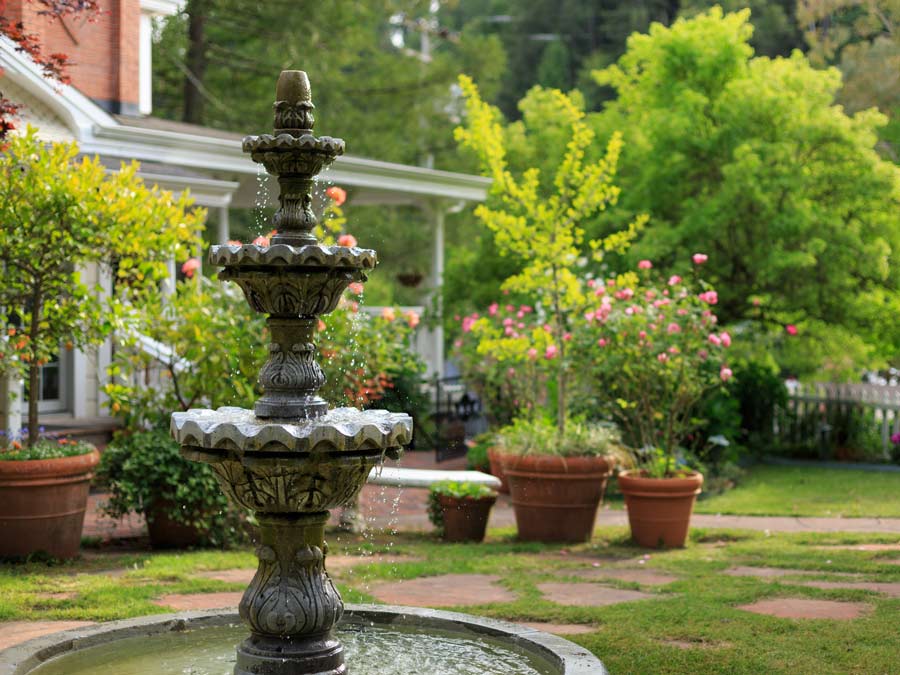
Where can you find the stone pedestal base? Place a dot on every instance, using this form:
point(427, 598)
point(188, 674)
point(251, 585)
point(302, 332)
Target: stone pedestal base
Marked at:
point(310, 655)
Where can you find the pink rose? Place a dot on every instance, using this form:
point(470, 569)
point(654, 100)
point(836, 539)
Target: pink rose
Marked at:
point(725, 373)
point(567, 337)
point(510, 308)
point(703, 354)
point(509, 331)
point(642, 335)
point(709, 297)
point(645, 265)
point(673, 349)
point(673, 328)
point(532, 353)
point(681, 311)
point(492, 310)
point(714, 339)
point(467, 324)
point(700, 258)
point(625, 294)
point(551, 352)
point(525, 308)
point(520, 314)
point(602, 342)
point(356, 288)
point(791, 329)
point(261, 241)
point(347, 240)
point(674, 279)
point(600, 290)
point(725, 338)
point(412, 318)
point(508, 321)
point(389, 314)
point(662, 357)
point(321, 325)
point(458, 343)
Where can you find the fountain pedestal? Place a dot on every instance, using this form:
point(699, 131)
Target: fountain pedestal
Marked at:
point(291, 459)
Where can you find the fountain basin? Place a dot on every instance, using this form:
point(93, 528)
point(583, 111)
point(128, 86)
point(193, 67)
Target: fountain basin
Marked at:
point(381, 640)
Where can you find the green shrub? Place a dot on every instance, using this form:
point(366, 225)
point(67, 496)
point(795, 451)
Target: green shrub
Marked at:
point(541, 437)
point(145, 469)
point(450, 488)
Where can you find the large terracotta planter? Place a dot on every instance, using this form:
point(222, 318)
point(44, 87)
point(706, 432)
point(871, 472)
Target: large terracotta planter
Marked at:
point(166, 532)
point(465, 519)
point(42, 504)
point(495, 459)
point(556, 498)
point(659, 509)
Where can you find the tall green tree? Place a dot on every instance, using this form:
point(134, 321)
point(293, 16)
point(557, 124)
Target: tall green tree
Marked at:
point(748, 160)
point(60, 214)
point(382, 71)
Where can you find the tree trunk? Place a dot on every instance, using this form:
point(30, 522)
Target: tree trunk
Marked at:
point(196, 62)
point(34, 381)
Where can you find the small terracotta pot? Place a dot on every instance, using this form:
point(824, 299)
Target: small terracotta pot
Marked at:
point(556, 498)
point(659, 509)
point(465, 519)
point(42, 504)
point(166, 532)
point(495, 458)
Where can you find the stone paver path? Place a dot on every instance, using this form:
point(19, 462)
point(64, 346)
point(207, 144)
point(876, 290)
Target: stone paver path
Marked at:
point(778, 572)
point(588, 594)
point(802, 608)
point(196, 601)
point(861, 547)
point(448, 590)
point(890, 589)
point(336, 564)
point(559, 628)
point(16, 632)
point(645, 577)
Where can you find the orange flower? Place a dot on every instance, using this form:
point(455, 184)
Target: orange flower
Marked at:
point(412, 318)
point(17, 445)
point(388, 314)
point(190, 266)
point(336, 194)
point(347, 240)
point(321, 325)
point(11, 332)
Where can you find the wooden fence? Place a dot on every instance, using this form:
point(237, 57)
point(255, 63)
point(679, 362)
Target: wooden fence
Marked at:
point(834, 418)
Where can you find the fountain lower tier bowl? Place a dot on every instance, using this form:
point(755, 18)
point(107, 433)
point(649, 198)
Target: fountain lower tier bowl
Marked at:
point(379, 640)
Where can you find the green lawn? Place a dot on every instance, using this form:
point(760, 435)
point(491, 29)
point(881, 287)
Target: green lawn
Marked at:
point(801, 491)
point(699, 609)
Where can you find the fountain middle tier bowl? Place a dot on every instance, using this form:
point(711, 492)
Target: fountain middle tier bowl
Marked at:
point(301, 466)
point(379, 640)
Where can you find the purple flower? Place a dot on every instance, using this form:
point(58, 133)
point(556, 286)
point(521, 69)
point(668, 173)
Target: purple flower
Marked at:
point(895, 439)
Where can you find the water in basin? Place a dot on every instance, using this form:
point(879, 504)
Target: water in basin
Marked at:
point(369, 649)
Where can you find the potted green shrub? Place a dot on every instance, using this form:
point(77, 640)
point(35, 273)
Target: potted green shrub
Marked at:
point(460, 510)
point(181, 501)
point(43, 496)
point(655, 352)
point(557, 481)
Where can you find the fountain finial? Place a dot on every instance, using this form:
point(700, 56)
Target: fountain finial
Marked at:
point(293, 104)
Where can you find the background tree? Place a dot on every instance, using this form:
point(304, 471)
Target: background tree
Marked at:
point(59, 214)
point(749, 160)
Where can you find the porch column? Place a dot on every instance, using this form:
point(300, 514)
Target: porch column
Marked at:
point(437, 280)
point(223, 229)
point(12, 391)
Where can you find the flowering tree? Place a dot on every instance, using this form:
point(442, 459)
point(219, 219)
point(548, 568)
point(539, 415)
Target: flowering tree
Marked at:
point(654, 351)
point(539, 219)
point(60, 213)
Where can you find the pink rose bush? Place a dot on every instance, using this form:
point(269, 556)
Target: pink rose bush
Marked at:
point(653, 350)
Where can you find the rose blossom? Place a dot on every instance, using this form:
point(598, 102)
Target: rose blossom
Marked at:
point(356, 288)
point(725, 373)
point(674, 279)
point(791, 329)
point(551, 352)
point(601, 342)
point(336, 194)
point(673, 328)
point(645, 265)
point(714, 339)
point(389, 314)
point(700, 258)
point(190, 266)
point(532, 353)
point(412, 318)
point(725, 338)
point(662, 357)
point(347, 240)
point(492, 310)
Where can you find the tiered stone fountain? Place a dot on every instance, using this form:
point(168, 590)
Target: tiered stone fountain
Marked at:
point(290, 460)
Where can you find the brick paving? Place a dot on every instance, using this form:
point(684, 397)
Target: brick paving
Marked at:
point(588, 594)
point(802, 608)
point(448, 590)
point(15, 632)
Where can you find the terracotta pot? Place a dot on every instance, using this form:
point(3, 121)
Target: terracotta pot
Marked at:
point(465, 519)
point(495, 458)
point(659, 509)
point(42, 504)
point(168, 533)
point(556, 498)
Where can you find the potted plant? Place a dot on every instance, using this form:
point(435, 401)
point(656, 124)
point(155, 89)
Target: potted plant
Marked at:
point(655, 353)
point(181, 501)
point(460, 511)
point(557, 481)
point(43, 496)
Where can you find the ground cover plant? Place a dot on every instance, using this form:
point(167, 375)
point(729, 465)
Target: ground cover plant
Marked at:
point(692, 624)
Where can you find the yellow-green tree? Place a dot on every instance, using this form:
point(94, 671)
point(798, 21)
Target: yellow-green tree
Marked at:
point(61, 213)
point(537, 215)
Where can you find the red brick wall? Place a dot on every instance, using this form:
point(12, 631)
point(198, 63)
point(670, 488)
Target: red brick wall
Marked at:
point(103, 53)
